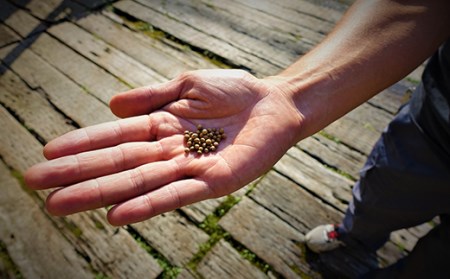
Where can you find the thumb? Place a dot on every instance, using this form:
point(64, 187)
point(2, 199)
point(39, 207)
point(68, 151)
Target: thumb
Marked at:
point(144, 100)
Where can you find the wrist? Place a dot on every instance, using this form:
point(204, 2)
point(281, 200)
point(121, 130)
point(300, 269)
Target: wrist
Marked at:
point(310, 98)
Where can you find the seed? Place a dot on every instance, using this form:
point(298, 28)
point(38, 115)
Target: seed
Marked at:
point(203, 140)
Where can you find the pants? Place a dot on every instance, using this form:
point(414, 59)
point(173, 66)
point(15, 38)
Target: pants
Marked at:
point(405, 182)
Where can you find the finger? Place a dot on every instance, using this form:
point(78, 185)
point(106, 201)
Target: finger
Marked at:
point(140, 128)
point(144, 100)
point(112, 189)
point(79, 167)
point(164, 199)
point(100, 136)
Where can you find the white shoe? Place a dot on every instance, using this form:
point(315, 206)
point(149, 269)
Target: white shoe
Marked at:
point(323, 238)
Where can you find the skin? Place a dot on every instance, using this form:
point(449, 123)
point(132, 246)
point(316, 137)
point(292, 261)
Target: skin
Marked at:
point(138, 164)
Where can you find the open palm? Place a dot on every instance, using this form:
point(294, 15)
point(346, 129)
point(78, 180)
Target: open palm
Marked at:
point(138, 163)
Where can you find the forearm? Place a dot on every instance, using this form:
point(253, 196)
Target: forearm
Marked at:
point(373, 46)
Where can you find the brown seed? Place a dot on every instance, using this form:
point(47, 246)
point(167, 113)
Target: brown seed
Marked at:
point(216, 144)
point(204, 131)
point(189, 143)
point(196, 146)
point(221, 130)
point(194, 135)
point(212, 148)
point(208, 141)
point(206, 150)
point(197, 140)
point(199, 152)
point(199, 127)
point(186, 150)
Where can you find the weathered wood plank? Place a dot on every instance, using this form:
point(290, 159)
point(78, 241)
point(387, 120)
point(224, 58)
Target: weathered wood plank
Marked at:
point(247, 36)
point(271, 239)
point(222, 261)
point(93, 4)
point(87, 74)
point(197, 38)
point(111, 59)
point(292, 204)
point(18, 148)
point(361, 127)
point(19, 20)
point(313, 176)
point(51, 10)
point(391, 98)
point(173, 236)
point(33, 243)
point(274, 16)
point(198, 211)
point(76, 103)
point(290, 10)
point(31, 107)
point(333, 154)
point(162, 58)
point(7, 36)
point(112, 251)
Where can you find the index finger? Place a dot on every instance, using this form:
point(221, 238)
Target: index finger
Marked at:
point(139, 128)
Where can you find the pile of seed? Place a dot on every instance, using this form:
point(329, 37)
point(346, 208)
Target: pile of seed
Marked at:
point(204, 140)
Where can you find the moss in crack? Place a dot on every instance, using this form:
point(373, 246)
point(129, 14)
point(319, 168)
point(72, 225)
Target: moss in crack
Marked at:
point(169, 271)
point(159, 34)
point(10, 268)
point(211, 226)
point(251, 257)
point(330, 137)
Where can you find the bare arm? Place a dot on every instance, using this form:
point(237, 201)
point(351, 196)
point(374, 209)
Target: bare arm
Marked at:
point(375, 44)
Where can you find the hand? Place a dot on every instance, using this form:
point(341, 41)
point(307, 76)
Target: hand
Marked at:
point(138, 164)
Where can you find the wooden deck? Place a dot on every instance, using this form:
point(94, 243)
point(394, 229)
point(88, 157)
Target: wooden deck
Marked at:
point(62, 60)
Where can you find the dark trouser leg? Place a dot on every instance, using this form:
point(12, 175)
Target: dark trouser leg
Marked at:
point(429, 259)
point(405, 182)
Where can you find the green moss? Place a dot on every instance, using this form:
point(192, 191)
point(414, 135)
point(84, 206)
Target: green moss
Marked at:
point(101, 276)
point(158, 34)
point(99, 225)
point(250, 256)
point(413, 80)
point(8, 263)
point(169, 271)
point(74, 229)
point(328, 136)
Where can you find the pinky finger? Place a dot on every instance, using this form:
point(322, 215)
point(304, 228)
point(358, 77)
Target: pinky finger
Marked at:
point(164, 199)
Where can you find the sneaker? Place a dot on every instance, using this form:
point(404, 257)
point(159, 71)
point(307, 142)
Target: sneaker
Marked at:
point(323, 238)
